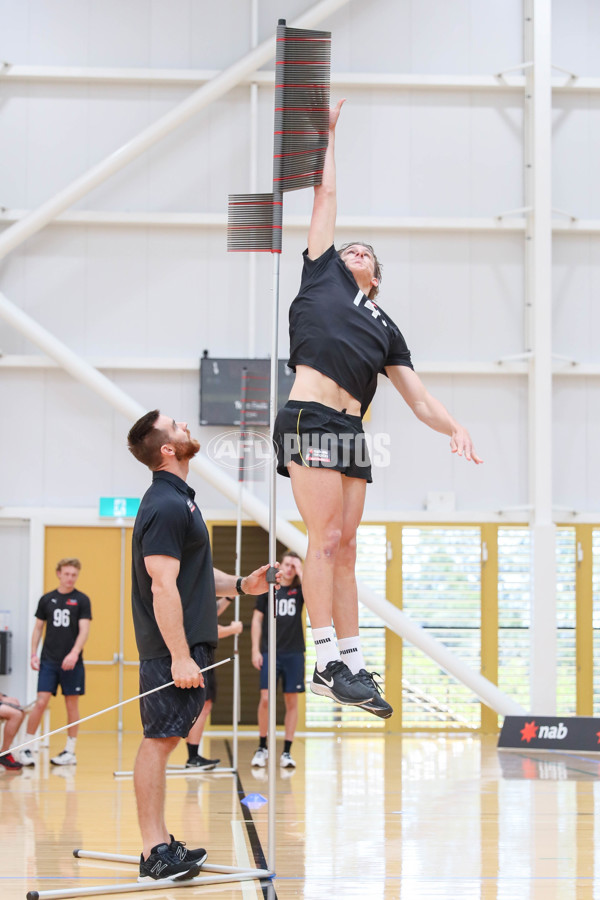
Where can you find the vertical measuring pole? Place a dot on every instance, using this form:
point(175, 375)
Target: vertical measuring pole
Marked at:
point(301, 132)
point(271, 608)
point(238, 564)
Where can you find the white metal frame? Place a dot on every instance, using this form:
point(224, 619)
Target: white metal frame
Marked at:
point(217, 875)
point(538, 298)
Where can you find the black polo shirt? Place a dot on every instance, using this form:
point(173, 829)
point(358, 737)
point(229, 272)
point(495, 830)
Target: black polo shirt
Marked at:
point(169, 523)
point(337, 330)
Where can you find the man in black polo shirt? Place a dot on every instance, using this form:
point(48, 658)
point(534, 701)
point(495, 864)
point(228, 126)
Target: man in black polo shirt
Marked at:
point(175, 619)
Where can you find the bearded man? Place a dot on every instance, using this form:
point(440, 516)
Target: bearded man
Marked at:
point(175, 618)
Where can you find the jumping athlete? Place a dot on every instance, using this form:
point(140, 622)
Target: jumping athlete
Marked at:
point(66, 614)
point(340, 340)
point(289, 656)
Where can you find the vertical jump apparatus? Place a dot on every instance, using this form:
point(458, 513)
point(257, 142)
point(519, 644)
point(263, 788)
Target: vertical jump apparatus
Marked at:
point(301, 134)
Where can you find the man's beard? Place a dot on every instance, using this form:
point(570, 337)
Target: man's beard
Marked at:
point(186, 449)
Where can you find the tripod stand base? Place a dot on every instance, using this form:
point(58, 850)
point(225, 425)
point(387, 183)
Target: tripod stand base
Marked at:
point(215, 875)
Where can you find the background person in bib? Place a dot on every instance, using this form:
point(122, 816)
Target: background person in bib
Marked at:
point(65, 613)
point(340, 341)
point(290, 655)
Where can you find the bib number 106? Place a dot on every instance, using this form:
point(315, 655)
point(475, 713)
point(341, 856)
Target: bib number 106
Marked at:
point(286, 606)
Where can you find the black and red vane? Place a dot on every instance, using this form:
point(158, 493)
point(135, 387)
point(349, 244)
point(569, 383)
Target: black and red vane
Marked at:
point(302, 79)
point(254, 223)
point(302, 76)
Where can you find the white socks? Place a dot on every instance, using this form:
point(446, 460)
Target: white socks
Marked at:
point(325, 646)
point(70, 746)
point(351, 653)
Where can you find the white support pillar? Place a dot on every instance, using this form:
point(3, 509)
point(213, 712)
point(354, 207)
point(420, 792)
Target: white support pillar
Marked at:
point(538, 264)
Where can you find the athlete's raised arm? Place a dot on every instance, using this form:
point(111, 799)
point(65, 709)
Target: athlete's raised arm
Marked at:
point(322, 223)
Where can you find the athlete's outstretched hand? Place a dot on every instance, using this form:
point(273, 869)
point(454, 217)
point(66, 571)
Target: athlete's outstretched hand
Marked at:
point(461, 443)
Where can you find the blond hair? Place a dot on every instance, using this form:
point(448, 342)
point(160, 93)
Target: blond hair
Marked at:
point(68, 561)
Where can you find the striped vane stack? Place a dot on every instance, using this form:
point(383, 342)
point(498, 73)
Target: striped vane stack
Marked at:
point(254, 223)
point(301, 131)
point(302, 73)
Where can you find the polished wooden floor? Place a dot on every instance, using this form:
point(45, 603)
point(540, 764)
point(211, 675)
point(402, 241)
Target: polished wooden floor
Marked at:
point(367, 817)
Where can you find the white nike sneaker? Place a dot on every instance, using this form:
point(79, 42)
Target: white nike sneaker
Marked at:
point(260, 757)
point(64, 759)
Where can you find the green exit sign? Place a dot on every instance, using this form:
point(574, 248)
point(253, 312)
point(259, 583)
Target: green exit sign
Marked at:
point(119, 507)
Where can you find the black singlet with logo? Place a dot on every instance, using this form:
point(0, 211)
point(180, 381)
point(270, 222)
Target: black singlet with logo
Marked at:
point(169, 523)
point(337, 330)
point(61, 613)
point(290, 634)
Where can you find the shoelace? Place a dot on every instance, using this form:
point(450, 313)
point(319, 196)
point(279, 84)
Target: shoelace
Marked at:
point(371, 676)
point(338, 667)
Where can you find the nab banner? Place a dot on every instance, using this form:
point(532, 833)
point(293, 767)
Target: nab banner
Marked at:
point(550, 733)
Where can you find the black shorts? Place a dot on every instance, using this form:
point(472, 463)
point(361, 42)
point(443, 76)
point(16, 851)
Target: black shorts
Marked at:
point(289, 667)
point(172, 711)
point(313, 435)
point(210, 685)
point(72, 681)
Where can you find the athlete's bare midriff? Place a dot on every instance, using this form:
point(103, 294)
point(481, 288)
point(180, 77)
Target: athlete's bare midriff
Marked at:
point(313, 386)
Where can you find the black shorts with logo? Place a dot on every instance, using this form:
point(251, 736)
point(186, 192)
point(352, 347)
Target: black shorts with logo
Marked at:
point(313, 435)
point(172, 711)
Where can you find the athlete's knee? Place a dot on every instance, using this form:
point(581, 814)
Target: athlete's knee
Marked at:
point(347, 549)
point(327, 545)
point(42, 702)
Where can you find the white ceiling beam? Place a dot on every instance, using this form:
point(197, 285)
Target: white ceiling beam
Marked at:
point(194, 77)
point(219, 220)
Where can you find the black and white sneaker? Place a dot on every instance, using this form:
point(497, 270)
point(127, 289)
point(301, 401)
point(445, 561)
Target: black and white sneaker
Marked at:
point(376, 705)
point(163, 865)
point(66, 758)
point(184, 854)
point(337, 681)
point(201, 763)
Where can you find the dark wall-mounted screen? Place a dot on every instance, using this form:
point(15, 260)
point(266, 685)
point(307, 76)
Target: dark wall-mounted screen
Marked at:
point(221, 390)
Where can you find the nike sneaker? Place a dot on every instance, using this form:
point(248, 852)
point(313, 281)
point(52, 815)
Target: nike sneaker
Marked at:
point(376, 705)
point(337, 681)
